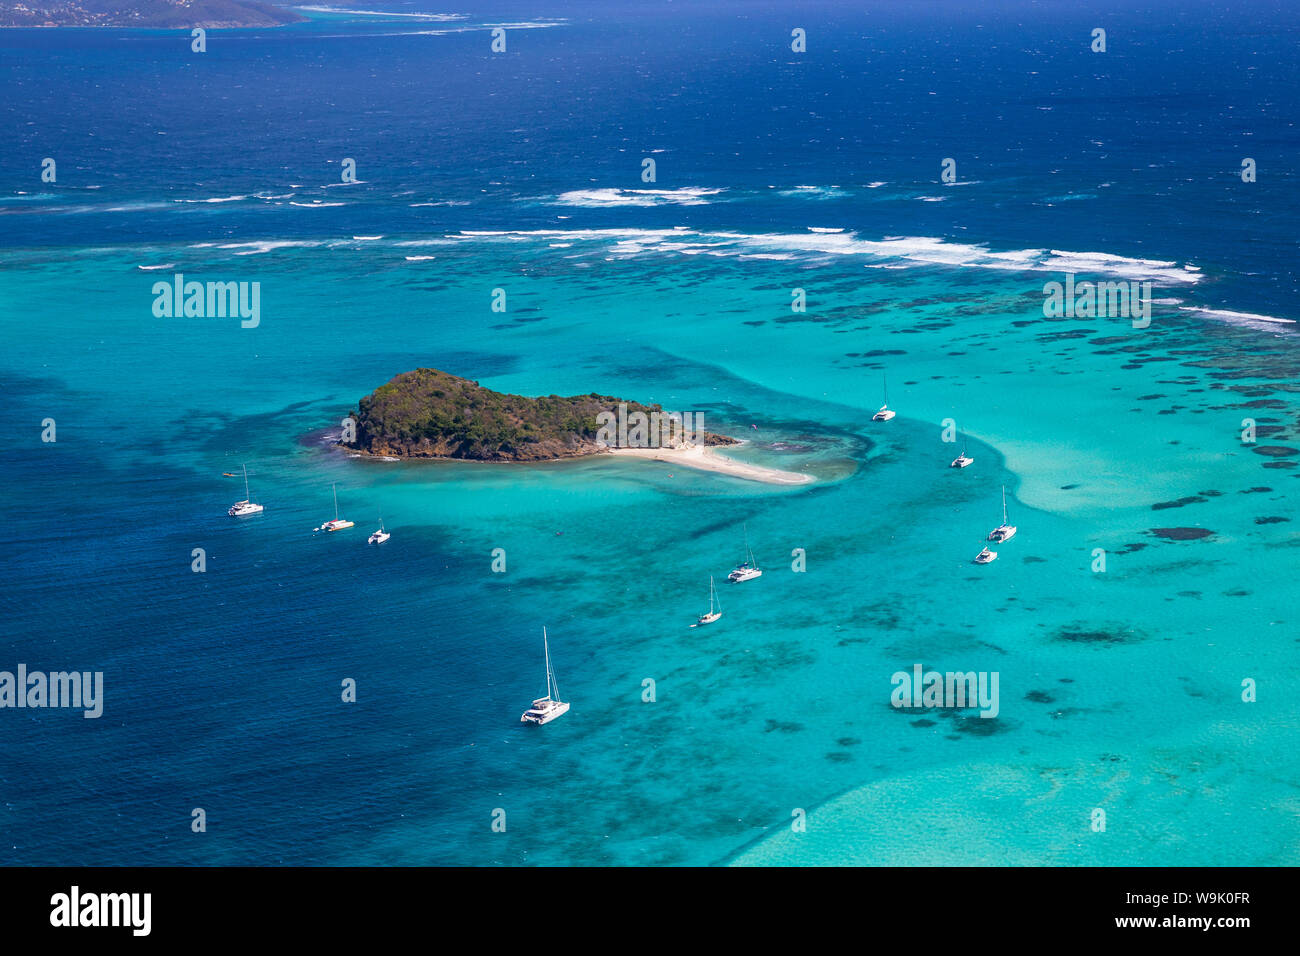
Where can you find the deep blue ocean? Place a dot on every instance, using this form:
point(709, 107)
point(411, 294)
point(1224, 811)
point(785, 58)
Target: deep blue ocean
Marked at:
point(1122, 689)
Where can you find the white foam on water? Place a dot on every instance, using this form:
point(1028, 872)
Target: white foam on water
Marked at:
point(1156, 270)
point(321, 8)
point(814, 192)
point(820, 241)
point(601, 198)
point(267, 245)
point(215, 199)
point(1236, 318)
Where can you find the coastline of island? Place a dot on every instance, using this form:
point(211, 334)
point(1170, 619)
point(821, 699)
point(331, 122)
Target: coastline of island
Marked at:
point(147, 14)
point(434, 415)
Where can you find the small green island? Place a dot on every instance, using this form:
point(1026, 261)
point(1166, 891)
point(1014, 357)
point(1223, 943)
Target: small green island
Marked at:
point(427, 413)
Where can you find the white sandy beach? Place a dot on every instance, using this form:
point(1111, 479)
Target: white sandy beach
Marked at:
point(708, 459)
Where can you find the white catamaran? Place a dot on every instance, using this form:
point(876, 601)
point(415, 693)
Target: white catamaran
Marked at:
point(247, 506)
point(885, 413)
point(1004, 531)
point(338, 524)
point(380, 536)
point(962, 460)
point(546, 709)
point(715, 609)
point(748, 568)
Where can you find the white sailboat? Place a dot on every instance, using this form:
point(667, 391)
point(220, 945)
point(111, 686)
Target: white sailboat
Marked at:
point(546, 709)
point(1004, 531)
point(715, 609)
point(986, 556)
point(380, 536)
point(338, 524)
point(885, 413)
point(962, 460)
point(748, 568)
point(246, 507)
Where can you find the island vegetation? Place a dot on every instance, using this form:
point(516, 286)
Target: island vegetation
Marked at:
point(427, 413)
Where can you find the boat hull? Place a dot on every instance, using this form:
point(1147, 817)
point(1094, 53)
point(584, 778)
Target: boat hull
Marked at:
point(537, 717)
point(746, 575)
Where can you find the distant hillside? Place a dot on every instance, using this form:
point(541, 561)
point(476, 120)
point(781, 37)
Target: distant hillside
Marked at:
point(432, 414)
point(160, 14)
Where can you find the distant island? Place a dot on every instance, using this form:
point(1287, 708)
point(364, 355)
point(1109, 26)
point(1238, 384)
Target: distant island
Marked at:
point(156, 14)
point(427, 413)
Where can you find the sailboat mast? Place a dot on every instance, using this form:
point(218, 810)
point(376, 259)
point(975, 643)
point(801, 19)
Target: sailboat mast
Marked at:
point(336, 502)
point(1004, 504)
point(552, 688)
point(246, 495)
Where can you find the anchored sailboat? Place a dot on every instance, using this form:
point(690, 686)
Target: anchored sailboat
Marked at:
point(338, 524)
point(246, 507)
point(885, 413)
point(715, 609)
point(1004, 531)
point(962, 460)
point(380, 536)
point(546, 709)
point(748, 568)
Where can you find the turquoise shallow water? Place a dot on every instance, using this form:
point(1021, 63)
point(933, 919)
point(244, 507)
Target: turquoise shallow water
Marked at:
point(1119, 689)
